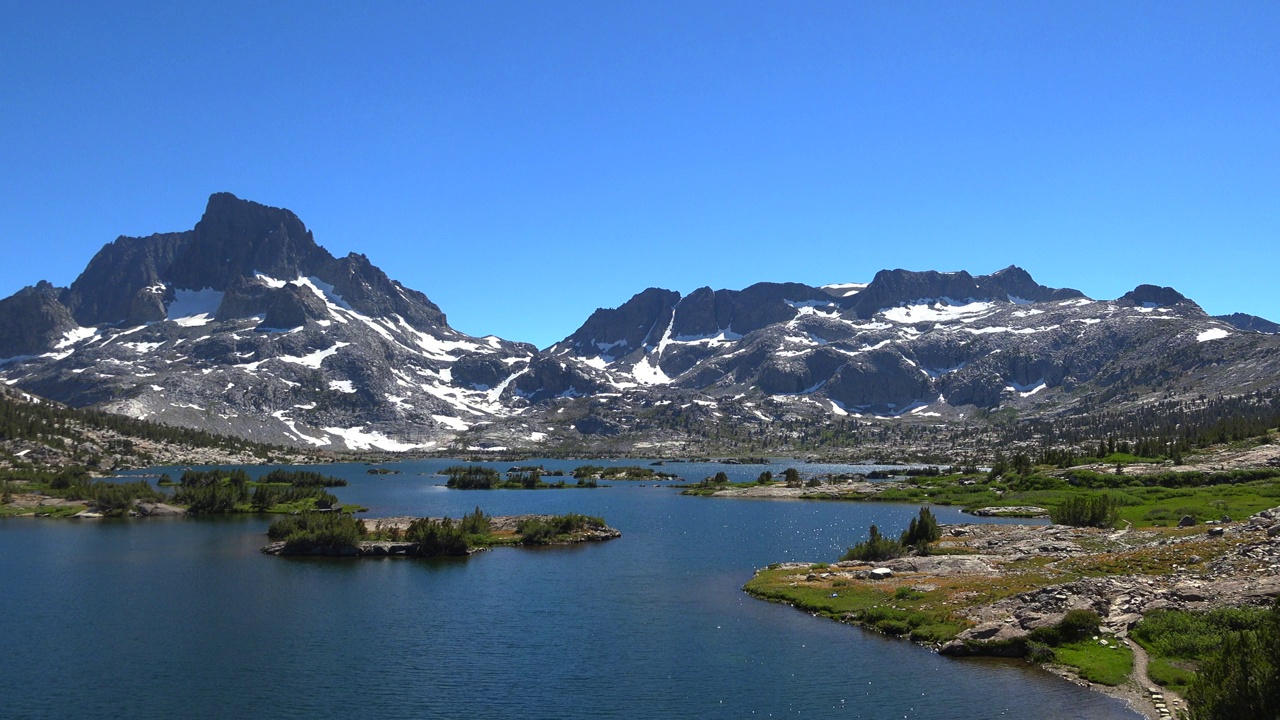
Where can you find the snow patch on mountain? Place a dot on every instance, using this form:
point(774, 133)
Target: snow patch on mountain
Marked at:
point(357, 438)
point(648, 373)
point(75, 335)
point(450, 422)
point(315, 359)
point(495, 395)
point(845, 289)
point(283, 416)
point(192, 308)
point(942, 310)
point(141, 347)
point(1026, 390)
point(342, 386)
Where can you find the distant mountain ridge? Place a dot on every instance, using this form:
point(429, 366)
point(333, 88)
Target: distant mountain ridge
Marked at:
point(907, 342)
point(245, 325)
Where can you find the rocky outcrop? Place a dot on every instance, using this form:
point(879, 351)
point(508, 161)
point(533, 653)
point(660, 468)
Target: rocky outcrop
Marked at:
point(1152, 296)
point(545, 377)
point(32, 321)
point(891, 288)
point(480, 372)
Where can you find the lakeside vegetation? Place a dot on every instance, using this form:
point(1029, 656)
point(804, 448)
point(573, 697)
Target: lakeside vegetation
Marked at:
point(221, 491)
point(1226, 662)
point(198, 492)
point(1076, 497)
point(921, 531)
point(324, 533)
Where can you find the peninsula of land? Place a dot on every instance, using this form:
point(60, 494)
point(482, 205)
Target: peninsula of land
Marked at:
point(1074, 598)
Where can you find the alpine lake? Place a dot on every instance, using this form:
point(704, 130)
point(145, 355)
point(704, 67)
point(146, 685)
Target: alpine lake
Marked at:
point(185, 617)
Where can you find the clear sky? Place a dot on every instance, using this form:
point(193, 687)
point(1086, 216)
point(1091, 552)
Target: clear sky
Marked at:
point(523, 163)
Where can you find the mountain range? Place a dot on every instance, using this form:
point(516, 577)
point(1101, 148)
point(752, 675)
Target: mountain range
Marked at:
point(244, 325)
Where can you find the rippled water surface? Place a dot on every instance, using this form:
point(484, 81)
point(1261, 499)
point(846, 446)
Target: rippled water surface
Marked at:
point(185, 618)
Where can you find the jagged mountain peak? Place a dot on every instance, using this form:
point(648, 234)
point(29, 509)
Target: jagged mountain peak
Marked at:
point(236, 238)
point(638, 322)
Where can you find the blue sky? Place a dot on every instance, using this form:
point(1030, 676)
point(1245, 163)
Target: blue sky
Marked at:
point(524, 163)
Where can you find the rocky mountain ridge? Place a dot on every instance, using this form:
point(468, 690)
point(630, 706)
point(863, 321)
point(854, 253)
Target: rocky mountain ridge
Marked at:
point(245, 325)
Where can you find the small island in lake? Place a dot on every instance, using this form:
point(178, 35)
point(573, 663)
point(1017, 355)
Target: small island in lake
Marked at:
point(341, 535)
point(623, 472)
point(478, 477)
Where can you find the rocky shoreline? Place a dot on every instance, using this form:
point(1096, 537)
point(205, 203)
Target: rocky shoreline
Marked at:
point(1037, 574)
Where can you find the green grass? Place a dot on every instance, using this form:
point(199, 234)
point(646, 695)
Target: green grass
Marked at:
point(1178, 640)
point(56, 511)
point(1173, 674)
point(1103, 664)
point(1143, 506)
point(919, 615)
point(1115, 459)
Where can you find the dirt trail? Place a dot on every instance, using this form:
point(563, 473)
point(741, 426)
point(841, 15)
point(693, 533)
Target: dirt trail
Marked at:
point(1146, 702)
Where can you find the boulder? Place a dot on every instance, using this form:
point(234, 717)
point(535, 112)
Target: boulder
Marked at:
point(881, 573)
point(1125, 621)
point(1186, 521)
point(1189, 593)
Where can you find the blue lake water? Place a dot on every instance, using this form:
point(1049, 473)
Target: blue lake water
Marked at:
point(186, 618)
